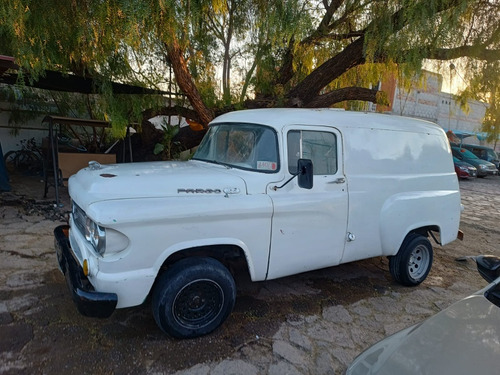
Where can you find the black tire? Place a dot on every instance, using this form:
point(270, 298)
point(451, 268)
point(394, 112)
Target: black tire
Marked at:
point(28, 163)
point(411, 265)
point(10, 161)
point(193, 297)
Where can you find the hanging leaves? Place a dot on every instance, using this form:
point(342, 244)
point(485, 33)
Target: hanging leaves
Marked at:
point(248, 53)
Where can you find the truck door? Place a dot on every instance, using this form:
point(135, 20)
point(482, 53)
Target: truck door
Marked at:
point(309, 226)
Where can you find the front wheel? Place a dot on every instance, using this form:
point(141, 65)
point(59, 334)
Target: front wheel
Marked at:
point(193, 297)
point(411, 265)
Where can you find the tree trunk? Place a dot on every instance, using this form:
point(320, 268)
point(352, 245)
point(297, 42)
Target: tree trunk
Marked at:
point(226, 71)
point(309, 88)
point(185, 82)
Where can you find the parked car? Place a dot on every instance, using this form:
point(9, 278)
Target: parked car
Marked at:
point(484, 168)
point(463, 169)
point(461, 339)
point(483, 152)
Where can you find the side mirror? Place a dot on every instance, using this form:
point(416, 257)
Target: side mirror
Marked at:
point(488, 267)
point(305, 173)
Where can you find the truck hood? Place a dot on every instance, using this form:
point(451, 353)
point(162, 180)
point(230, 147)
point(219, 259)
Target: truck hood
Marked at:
point(152, 180)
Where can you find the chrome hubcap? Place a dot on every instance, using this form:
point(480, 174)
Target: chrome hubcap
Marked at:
point(418, 263)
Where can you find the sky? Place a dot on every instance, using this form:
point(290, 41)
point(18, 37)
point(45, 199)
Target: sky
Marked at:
point(453, 79)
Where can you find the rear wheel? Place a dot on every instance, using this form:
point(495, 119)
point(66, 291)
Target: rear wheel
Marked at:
point(10, 159)
point(193, 297)
point(411, 265)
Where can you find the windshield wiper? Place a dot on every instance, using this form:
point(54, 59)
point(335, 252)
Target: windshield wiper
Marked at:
point(214, 162)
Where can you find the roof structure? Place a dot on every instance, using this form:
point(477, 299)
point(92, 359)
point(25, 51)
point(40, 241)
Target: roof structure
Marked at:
point(76, 121)
point(57, 81)
point(6, 63)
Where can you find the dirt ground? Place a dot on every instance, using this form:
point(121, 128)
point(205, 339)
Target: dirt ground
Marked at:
point(311, 323)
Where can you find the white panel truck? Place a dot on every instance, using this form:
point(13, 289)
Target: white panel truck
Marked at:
point(284, 191)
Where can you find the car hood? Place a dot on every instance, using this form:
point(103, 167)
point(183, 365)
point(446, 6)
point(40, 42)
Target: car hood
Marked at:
point(462, 339)
point(464, 164)
point(151, 180)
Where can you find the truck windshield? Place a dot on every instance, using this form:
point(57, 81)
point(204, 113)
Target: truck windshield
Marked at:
point(239, 145)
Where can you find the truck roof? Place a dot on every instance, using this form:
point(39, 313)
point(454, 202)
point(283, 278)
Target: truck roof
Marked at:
point(280, 117)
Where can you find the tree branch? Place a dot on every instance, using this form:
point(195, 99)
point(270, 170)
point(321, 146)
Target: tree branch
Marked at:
point(331, 69)
point(353, 55)
point(340, 95)
point(477, 52)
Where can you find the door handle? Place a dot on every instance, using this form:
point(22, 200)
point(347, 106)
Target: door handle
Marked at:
point(339, 180)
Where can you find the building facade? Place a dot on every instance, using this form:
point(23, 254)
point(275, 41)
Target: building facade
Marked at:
point(425, 100)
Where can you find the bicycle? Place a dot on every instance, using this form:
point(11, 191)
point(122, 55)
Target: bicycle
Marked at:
point(28, 160)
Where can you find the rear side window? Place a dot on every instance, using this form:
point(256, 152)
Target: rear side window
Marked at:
point(320, 147)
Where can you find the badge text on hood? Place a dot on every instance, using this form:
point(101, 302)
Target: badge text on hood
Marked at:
point(200, 191)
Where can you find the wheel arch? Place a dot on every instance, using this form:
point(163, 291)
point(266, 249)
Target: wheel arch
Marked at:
point(392, 246)
point(227, 254)
point(231, 254)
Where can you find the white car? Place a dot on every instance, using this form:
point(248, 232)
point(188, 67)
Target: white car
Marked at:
point(462, 339)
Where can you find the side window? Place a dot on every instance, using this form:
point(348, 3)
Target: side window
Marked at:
point(320, 147)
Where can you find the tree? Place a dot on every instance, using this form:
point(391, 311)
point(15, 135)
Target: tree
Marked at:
point(491, 123)
point(294, 53)
point(486, 87)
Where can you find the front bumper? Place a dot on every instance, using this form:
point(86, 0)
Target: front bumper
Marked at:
point(486, 172)
point(87, 300)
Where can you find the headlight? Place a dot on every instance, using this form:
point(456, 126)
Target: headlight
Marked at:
point(463, 168)
point(482, 166)
point(103, 240)
point(96, 235)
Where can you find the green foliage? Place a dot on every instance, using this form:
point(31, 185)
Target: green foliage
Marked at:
point(485, 86)
point(491, 124)
point(253, 44)
point(168, 148)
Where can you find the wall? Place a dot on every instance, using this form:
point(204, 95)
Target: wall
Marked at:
point(31, 129)
point(422, 99)
point(452, 116)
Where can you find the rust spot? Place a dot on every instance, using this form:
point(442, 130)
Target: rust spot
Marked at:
point(108, 175)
